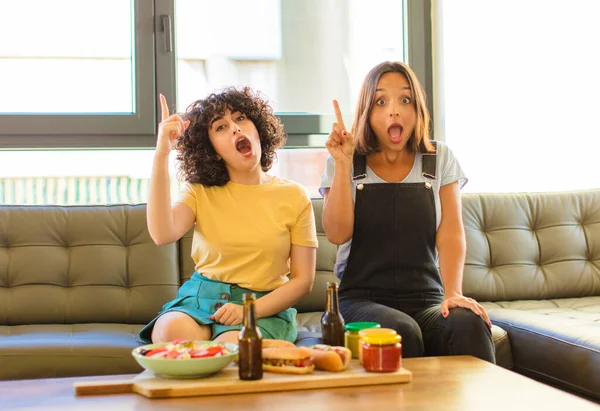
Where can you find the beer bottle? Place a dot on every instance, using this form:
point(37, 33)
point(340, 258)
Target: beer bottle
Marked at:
point(250, 343)
point(332, 322)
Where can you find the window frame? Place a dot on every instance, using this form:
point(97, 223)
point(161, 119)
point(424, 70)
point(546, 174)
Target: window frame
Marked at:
point(155, 69)
point(418, 37)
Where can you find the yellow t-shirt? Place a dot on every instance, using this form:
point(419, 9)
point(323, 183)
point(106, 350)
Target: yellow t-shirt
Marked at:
point(243, 233)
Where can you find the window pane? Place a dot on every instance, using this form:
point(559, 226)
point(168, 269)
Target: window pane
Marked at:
point(68, 56)
point(304, 166)
point(521, 93)
point(301, 54)
point(78, 177)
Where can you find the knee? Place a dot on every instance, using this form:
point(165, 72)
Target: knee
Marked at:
point(469, 334)
point(409, 330)
point(463, 321)
point(173, 325)
point(228, 336)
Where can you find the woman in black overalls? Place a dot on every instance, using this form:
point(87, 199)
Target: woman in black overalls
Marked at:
point(390, 275)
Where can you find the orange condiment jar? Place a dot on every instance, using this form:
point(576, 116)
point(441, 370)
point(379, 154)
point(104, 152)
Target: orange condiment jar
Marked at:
point(380, 350)
point(368, 331)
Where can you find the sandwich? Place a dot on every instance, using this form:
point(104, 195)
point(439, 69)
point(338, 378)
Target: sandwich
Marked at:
point(287, 360)
point(330, 358)
point(268, 343)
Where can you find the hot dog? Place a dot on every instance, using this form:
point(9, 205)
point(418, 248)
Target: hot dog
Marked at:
point(329, 358)
point(287, 360)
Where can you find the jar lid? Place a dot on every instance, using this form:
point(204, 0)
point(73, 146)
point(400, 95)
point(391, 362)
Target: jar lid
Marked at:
point(379, 336)
point(356, 327)
point(383, 331)
point(381, 339)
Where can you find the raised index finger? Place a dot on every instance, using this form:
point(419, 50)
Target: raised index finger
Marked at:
point(338, 114)
point(164, 108)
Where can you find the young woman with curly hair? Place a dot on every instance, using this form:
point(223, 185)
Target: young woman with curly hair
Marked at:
point(253, 232)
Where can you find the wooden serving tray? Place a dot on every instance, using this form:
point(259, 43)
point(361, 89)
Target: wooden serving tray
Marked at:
point(228, 382)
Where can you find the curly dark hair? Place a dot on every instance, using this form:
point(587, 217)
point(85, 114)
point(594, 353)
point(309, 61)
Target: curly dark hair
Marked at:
point(198, 162)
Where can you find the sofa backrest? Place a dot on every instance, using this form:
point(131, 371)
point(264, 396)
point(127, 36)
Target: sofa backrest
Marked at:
point(86, 264)
point(519, 246)
point(532, 246)
point(83, 264)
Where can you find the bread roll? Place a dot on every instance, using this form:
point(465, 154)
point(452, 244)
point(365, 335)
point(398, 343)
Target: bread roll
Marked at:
point(330, 358)
point(287, 360)
point(268, 343)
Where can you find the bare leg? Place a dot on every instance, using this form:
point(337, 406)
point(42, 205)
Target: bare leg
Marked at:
point(229, 336)
point(174, 324)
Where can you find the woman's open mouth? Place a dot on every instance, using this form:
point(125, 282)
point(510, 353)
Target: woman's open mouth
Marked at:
point(244, 146)
point(395, 133)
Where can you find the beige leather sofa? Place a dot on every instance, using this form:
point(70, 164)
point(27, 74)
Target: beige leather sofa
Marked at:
point(535, 261)
point(78, 283)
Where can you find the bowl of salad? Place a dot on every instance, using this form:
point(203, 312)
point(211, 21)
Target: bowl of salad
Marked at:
point(185, 359)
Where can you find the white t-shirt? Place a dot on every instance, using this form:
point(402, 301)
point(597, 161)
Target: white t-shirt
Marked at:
point(447, 171)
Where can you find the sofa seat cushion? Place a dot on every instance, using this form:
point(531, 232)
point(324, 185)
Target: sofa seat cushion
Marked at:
point(309, 328)
point(49, 351)
point(309, 322)
point(557, 341)
point(504, 357)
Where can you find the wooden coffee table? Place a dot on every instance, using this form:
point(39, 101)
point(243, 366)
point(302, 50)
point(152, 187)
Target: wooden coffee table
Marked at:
point(439, 383)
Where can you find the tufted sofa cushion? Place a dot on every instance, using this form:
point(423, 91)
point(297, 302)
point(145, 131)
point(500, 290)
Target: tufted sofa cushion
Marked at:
point(62, 265)
point(535, 261)
point(76, 285)
point(532, 246)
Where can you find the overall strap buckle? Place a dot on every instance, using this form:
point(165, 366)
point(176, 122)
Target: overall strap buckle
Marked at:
point(360, 169)
point(429, 166)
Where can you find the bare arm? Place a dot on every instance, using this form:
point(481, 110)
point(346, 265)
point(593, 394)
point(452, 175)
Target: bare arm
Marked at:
point(338, 207)
point(303, 261)
point(452, 248)
point(450, 240)
point(166, 223)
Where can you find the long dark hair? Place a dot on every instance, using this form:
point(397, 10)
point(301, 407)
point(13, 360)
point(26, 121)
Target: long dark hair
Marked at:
point(366, 140)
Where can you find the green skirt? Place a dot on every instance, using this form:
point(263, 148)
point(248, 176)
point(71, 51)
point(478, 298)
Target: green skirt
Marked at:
point(200, 297)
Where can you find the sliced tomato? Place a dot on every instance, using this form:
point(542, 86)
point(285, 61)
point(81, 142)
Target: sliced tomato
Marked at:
point(208, 352)
point(155, 351)
point(216, 349)
point(199, 353)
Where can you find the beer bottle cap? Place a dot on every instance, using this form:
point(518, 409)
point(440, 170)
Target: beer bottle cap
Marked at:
point(248, 296)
